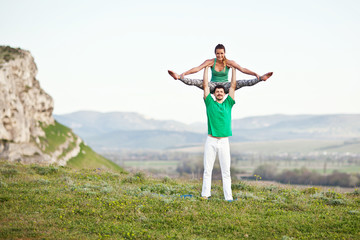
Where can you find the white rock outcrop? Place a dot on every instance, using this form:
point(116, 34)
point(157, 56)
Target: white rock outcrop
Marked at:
point(23, 104)
point(24, 107)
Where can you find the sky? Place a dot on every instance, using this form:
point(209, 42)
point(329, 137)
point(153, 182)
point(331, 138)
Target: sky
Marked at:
point(111, 56)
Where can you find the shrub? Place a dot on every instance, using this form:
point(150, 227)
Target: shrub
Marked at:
point(247, 196)
point(266, 171)
point(9, 172)
point(241, 186)
point(311, 190)
point(138, 177)
point(167, 179)
point(3, 184)
point(336, 202)
point(307, 177)
point(356, 192)
point(42, 170)
point(8, 53)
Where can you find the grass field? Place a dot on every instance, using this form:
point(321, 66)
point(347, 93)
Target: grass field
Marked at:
point(157, 167)
point(169, 167)
point(324, 156)
point(286, 146)
point(62, 203)
point(87, 158)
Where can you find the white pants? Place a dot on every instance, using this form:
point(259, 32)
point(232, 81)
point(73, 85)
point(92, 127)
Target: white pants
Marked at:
point(220, 146)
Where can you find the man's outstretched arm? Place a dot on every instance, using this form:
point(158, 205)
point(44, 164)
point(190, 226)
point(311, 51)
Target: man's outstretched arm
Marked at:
point(233, 84)
point(206, 83)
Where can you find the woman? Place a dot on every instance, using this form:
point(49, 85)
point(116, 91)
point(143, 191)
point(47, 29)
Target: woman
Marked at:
point(220, 69)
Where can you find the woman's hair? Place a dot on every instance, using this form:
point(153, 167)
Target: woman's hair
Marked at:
point(220, 46)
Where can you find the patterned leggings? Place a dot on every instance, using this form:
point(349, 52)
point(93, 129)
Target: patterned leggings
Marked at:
point(239, 83)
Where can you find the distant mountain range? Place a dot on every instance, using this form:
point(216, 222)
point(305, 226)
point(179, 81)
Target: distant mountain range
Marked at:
point(128, 130)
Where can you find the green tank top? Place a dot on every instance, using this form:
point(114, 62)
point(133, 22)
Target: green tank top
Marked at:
point(221, 76)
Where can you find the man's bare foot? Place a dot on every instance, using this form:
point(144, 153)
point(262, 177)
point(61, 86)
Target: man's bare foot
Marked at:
point(266, 76)
point(174, 75)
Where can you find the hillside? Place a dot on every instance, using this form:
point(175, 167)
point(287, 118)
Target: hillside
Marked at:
point(61, 140)
point(61, 203)
point(123, 130)
point(28, 132)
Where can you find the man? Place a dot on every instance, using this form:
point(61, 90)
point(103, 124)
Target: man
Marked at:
point(218, 113)
point(219, 129)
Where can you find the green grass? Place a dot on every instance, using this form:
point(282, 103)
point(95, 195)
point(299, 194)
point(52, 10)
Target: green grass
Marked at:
point(87, 158)
point(57, 134)
point(158, 163)
point(52, 202)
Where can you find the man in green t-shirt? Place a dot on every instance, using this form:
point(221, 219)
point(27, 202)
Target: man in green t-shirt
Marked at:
point(218, 113)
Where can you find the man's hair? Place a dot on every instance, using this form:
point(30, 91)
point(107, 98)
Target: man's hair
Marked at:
point(219, 86)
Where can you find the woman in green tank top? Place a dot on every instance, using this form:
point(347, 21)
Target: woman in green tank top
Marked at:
point(220, 70)
point(221, 76)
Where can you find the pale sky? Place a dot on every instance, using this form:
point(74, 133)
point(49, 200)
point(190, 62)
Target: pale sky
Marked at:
point(114, 55)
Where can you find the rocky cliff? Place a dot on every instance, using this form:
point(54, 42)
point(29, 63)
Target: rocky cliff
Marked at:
point(26, 113)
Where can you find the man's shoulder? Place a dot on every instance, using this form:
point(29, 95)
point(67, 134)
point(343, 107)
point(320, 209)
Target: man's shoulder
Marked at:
point(209, 99)
point(229, 100)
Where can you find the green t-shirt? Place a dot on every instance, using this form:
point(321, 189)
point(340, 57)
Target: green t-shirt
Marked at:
point(219, 116)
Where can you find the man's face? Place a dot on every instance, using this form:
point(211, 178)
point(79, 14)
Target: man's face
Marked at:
point(219, 94)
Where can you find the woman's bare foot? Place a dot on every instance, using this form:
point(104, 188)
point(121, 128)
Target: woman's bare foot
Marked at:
point(174, 75)
point(266, 76)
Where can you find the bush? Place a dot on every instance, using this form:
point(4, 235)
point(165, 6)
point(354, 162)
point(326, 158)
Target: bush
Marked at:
point(356, 192)
point(336, 202)
point(45, 170)
point(242, 186)
point(338, 179)
point(8, 53)
point(306, 177)
point(311, 190)
point(3, 184)
point(266, 171)
point(167, 179)
point(9, 172)
point(138, 177)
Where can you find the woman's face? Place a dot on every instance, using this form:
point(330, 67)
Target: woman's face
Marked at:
point(220, 53)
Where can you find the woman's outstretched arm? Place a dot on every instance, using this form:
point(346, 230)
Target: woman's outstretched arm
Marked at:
point(207, 63)
point(233, 64)
point(176, 76)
